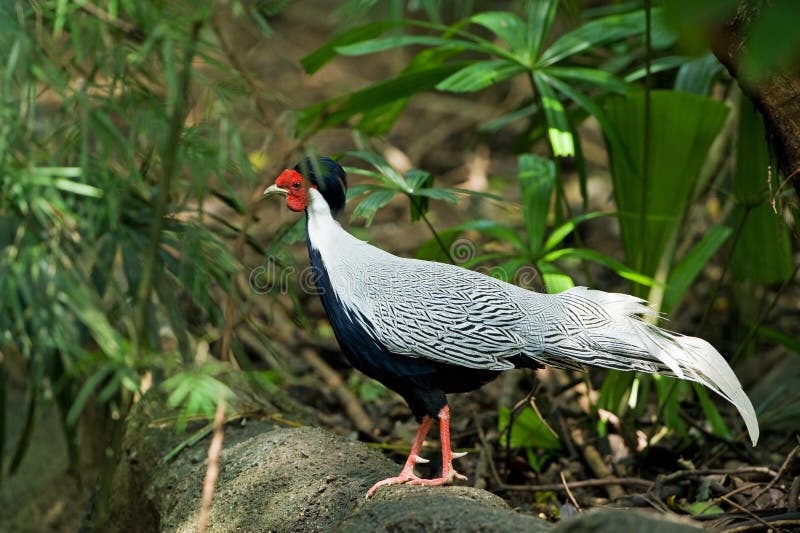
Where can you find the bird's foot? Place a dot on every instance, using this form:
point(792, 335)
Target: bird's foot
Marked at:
point(398, 480)
point(406, 475)
point(448, 476)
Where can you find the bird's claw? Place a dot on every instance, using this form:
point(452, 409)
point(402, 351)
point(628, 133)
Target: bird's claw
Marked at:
point(397, 480)
point(447, 478)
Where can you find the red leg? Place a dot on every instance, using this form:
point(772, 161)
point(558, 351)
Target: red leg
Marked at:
point(407, 474)
point(448, 472)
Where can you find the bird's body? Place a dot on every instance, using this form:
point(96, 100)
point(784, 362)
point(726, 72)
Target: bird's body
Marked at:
point(425, 329)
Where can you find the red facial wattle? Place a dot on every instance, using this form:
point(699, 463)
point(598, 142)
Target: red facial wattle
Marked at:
point(297, 190)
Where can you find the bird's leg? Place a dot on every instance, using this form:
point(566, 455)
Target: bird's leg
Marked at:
point(407, 473)
point(448, 472)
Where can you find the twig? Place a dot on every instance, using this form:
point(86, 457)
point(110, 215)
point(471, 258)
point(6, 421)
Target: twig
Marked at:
point(487, 450)
point(212, 470)
point(746, 511)
point(171, 167)
point(715, 501)
point(794, 492)
point(763, 315)
point(619, 481)
point(352, 406)
point(105, 17)
point(596, 464)
point(774, 524)
point(781, 470)
point(682, 474)
point(569, 493)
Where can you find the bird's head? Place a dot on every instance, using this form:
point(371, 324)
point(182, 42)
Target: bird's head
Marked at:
point(321, 174)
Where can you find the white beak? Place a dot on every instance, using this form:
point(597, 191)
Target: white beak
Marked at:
point(274, 189)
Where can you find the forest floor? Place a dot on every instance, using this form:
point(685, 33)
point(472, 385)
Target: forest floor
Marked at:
point(720, 483)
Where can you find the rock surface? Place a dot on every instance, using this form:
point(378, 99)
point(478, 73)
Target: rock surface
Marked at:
point(305, 479)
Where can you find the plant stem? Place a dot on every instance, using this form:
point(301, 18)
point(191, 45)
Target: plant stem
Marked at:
point(170, 158)
point(436, 236)
point(763, 316)
point(737, 233)
point(642, 255)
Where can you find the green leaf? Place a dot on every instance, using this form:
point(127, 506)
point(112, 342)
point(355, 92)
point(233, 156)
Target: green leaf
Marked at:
point(659, 64)
point(386, 172)
point(555, 280)
point(496, 230)
point(669, 394)
point(501, 122)
point(558, 128)
point(764, 234)
point(338, 110)
point(369, 206)
point(561, 232)
point(600, 78)
point(480, 75)
point(609, 128)
point(615, 388)
point(528, 431)
point(507, 26)
point(318, 58)
point(389, 43)
point(86, 390)
point(596, 32)
point(698, 76)
point(686, 270)
point(431, 250)
point(702, 508)
point(537, 175)
point(718, 426)
point(683, 126)
point(773, 335)
point(592, 255)
point(541, 14)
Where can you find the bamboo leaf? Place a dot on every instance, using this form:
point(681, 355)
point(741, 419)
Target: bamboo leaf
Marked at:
point(558, 129)
point(480, 75)
point(599, 78)
point(620, 269)
point(399, 41)
point(337, 110)
point(321, 56)
point(537, 175)
point(368, 207)
point(555, 280)
point(561, 232)
point(596, 32)
point(541, 14)
point(505, 25)
point(697, 76)
point(687, 269)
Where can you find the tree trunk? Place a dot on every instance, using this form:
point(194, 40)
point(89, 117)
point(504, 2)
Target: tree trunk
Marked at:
point(777, 96)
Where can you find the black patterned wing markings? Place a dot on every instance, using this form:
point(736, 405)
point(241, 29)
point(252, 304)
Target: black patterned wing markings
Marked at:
point(446, 314)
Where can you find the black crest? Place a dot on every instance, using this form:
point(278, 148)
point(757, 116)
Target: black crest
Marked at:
point(329, 177)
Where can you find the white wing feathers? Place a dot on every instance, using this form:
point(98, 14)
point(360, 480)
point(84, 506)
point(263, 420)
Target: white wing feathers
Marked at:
point(461, 317)
point(613, 336)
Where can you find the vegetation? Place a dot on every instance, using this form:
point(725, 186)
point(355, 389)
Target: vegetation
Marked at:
point(136, 138)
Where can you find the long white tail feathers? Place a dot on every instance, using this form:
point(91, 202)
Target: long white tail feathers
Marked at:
point(604, 329)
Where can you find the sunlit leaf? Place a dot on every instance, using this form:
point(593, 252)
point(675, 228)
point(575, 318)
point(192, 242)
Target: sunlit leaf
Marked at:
point(480, 75)
point(558, 129)
point(687, 269)
point(537, 175)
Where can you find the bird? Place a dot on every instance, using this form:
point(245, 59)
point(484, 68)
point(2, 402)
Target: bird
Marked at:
point(426, 329)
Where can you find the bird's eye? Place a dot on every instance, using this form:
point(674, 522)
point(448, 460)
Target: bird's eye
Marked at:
point(296, 185)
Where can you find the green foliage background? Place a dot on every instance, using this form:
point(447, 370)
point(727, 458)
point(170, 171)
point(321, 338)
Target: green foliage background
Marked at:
point(120, 121)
